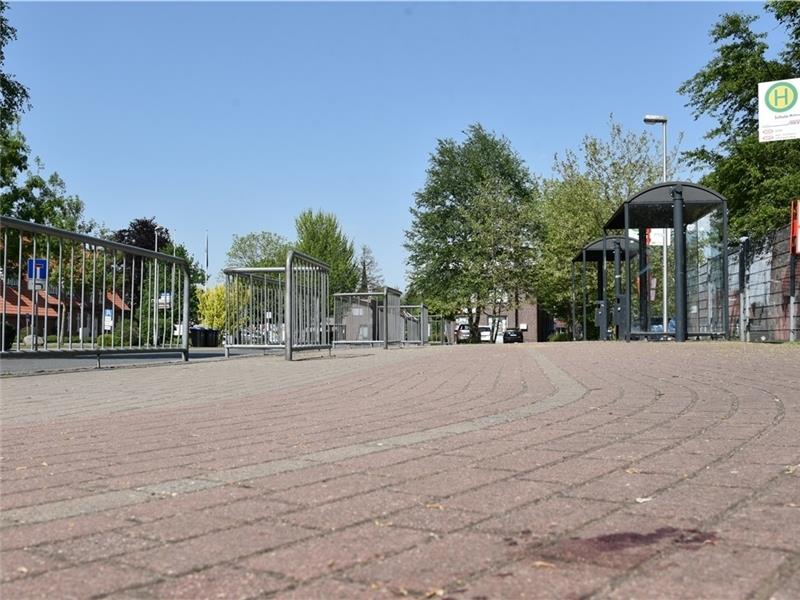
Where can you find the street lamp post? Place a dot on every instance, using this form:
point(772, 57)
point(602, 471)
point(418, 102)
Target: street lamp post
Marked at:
point(653, 120)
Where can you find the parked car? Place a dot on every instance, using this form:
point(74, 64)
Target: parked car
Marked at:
point(462, 334)
point(486, 333)
point(512, 335)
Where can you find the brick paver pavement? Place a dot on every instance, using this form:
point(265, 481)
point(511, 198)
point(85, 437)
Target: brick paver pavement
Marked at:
point(588, 470)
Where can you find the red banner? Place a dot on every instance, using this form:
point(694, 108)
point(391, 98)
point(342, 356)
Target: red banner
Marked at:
point(794, 230)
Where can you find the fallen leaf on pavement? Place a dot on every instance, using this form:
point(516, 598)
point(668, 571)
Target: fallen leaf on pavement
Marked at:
point(542, 564)
point(434, 505)
point(632, 471)
point(791, 469)
point(434, 593)
point(643, 500)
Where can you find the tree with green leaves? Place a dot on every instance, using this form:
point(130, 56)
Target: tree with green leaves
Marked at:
point(474, 189)
point(319, 235)
point(211, 303)
point(371, 277)
point(258, 249)
point(143, 233)
point(14, 100)
point(756, 178)
point(589, 186)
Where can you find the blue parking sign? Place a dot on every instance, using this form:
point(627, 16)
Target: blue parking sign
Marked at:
point(37, 269)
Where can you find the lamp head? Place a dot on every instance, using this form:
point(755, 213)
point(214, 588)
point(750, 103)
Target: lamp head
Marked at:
point(654, 119)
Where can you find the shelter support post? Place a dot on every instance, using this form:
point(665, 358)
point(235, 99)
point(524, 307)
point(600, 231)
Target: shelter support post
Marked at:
point(792, 295)
point(644, 287)
point(574, 323)
point(583, 292)
point(618, 302)
point(679, 232)
point(743, 250)
point(725, 282)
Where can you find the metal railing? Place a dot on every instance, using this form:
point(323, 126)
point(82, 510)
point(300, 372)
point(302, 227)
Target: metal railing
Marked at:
point(368, 318)
point(278, 307)
point(68, 293)
point(440, 330)
point(415, 324)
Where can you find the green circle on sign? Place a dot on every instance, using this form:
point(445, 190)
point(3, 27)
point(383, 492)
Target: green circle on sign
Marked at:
point(781, 96)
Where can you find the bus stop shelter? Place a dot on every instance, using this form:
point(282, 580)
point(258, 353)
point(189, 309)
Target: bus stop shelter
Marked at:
point(601, 252)
point(698, 219)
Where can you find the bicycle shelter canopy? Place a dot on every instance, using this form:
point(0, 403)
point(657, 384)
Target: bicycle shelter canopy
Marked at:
point(698, 218)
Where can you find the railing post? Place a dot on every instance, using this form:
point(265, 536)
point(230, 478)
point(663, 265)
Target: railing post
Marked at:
point(289, 305)
point(386, 318)
point(185, 320)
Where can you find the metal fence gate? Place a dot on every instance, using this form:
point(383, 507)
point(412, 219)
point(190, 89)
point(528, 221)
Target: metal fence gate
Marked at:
point(74, 294)
point(278, 307)
point(368, 318)
point(440, 330)
point(415, 324)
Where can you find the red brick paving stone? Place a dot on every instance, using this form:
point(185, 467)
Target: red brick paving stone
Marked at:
point(333, 489)
point(377, 460)
point(712, 571)
point(126, 482)
point(283, 481)
point(547, 518)
point(427, 465)
point(71, 478)
point(788, 589)
point(76, 582)
point(94, 547)
point(320, 555)
point(674, 462)
point(574, 470)
point(177, 527)
point(434, 565)
point(435, 517)
point(217, 583)
point(625, 451)
point(214, 548)
point(339, 514)
point(160, 508)
point(766, 526)
point(450, 482)
point(501, 496)
point(784, 490)
point(37, 497)
point(250, 509)
point(16, 564)
point(622, 486)
point(581, 442)
point(333, 589)
point(31, 535)
point(771, 454)
point(523, 460)
point(737, 473)
point(527, 580)
point(698, 502)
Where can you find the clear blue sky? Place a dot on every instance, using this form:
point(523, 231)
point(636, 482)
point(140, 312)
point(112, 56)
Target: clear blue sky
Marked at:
point(233, 118)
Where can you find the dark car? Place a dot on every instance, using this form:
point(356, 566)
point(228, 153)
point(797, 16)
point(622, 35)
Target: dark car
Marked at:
point(512, 335)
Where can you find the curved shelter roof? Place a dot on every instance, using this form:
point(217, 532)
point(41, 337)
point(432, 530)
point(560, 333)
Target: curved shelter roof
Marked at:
point(652, 207)
point(594, 250)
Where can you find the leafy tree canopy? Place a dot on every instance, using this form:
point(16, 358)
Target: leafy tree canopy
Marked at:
point(320, 235)
point(259, 249)
point(756, 178)
point(450, 260)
